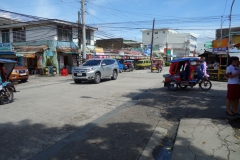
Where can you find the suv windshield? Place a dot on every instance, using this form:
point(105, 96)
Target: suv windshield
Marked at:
point(92, 63)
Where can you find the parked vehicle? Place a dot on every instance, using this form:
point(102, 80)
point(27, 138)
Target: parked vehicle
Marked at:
point(186, 72)
point(143, 64)
point(157, 65)
point(120, 66)
point(6, 88)
point(19, 73)
point(95, 70)
point(128, 65)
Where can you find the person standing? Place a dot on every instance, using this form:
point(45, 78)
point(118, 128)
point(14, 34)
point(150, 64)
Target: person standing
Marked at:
point(215, 65)
point(233, 94)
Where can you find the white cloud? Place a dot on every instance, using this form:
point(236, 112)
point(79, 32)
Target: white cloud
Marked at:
point(92, 12)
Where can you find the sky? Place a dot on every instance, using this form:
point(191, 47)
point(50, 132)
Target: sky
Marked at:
point(126, 18)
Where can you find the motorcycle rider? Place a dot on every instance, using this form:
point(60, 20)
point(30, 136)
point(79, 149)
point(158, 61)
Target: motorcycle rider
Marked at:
point(3, 78)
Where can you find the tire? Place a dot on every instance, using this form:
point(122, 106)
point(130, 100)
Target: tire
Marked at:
point(151, 70)
point(24, 80)
point(172, 85)
point(183, 87)
point(97, 78)
point(205, 85)
point(114, 77)
point(77, 81)
point(8, 99)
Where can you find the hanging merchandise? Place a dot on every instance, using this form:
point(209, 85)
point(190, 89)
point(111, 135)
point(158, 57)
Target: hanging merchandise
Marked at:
point(61, 61)
point(74, 59)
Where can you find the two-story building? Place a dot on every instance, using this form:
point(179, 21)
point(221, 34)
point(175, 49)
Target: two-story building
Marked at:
point(180, 44)
point(36, 40)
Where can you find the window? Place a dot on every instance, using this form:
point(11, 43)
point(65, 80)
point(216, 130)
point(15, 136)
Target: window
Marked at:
point(157, 46)
point(19, 35)
point(64, 33)
point(148, 33)
point(5, 36)
point(92, 63)
point(156, 32)
point(110, 62)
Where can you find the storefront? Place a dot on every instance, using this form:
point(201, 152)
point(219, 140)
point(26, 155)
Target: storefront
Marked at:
point(67, 58)
point(31, 56)
point(6, 51)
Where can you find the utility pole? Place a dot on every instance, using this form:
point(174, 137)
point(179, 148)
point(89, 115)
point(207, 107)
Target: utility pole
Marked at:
point(152, 41)
point(83, 31)
point(166, 46)
point(229, 31)
point(79, 38)
point(221, 25)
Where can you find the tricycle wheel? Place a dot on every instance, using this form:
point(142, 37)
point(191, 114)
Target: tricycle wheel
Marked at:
point(182, 86)
point(205, 85)
point(172, 85)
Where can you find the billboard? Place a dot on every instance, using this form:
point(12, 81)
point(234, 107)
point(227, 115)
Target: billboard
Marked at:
point(220, 45)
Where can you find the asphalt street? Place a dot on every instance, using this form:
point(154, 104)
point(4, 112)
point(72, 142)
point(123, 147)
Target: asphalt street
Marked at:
point(48, 109)
point(53, 118)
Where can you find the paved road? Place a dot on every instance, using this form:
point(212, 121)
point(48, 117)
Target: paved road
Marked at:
point(53, 118)
point(49, 109)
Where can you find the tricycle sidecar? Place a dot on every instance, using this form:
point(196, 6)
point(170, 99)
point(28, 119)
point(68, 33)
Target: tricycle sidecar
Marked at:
point(186, 72)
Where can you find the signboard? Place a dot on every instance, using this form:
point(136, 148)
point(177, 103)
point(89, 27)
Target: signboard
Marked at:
point(220, 45)
point(5, 47)
point(208, 45)
point(26, 55)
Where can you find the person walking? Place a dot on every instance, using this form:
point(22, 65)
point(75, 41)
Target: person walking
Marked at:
point(204, 68)
point(233, 94)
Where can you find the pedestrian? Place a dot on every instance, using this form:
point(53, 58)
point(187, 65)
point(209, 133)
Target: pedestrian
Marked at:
point(204, 68)
point(215, 65)
point(233, 93)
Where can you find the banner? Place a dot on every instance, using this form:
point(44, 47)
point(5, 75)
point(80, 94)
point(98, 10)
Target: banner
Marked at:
point(220, 45)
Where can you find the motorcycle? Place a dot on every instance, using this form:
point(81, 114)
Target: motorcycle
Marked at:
point(7, 88)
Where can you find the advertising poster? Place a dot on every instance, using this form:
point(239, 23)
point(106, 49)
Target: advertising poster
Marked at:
point(39, 61)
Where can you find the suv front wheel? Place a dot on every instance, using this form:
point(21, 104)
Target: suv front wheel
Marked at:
point(97, 78)
point(114, 77)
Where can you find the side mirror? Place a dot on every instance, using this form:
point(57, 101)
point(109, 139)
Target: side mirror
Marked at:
point(103, 64)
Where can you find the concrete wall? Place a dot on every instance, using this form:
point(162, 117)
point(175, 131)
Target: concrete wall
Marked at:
point(48, 32)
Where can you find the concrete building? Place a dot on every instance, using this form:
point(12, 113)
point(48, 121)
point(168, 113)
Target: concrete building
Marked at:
point(179, 44)
point(34, 40)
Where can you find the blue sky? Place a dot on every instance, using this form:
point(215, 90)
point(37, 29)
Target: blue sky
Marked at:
point(102, 12)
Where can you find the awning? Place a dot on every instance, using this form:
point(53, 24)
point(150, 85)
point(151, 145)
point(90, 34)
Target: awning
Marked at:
point(30, 49)
point(67, 50)
point(7, 53)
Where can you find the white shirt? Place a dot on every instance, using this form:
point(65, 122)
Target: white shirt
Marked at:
point(232, 70)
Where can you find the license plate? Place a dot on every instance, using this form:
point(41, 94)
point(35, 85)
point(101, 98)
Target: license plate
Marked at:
point(79, 74)
point(23, 74)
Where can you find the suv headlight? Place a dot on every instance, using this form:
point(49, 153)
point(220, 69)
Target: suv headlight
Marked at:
point(15, 71)
point(89, 70)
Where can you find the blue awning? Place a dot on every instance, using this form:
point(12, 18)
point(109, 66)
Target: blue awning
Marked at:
point(7, 53)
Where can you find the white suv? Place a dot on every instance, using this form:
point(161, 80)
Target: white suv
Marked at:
point(95, 70)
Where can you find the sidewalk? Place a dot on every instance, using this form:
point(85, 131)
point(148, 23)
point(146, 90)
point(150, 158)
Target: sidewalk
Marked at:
point(205, 139)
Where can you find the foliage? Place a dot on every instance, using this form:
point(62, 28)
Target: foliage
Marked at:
point(50, 62)
point(167, 63)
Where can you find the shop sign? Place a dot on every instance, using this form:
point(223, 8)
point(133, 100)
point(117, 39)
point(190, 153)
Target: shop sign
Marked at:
point(26, 55)
point(220, 45)
point(5, 47)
